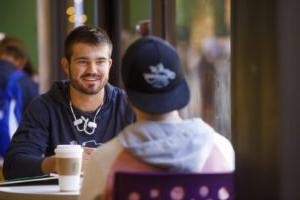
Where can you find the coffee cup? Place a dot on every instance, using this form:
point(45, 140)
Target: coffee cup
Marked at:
point(68, 165)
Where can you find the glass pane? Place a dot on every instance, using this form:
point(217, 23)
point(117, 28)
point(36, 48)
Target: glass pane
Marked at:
point(134, 12)
point(203, 42)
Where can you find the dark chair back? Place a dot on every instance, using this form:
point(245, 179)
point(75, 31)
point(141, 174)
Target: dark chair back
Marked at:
point(173, 186)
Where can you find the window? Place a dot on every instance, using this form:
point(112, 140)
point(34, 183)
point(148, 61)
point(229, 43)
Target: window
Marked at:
point(203, 42)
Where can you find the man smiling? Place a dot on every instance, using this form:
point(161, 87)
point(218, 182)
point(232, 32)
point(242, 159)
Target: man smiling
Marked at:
point(85, 110)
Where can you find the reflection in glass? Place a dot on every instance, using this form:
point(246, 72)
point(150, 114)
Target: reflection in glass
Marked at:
point(203, 42)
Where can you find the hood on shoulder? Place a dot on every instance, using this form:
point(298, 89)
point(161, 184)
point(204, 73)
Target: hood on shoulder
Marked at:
point(59, 91)
point(183, 146)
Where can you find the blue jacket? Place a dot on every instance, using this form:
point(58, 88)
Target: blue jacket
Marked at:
point(49, 122)
point(28, 86)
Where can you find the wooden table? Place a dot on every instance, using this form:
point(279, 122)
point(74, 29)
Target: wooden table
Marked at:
point(36, 192)
point(1, 174)
point(1, 169)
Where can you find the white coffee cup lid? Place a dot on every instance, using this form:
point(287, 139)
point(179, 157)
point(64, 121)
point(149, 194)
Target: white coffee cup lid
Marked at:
point(68, 148)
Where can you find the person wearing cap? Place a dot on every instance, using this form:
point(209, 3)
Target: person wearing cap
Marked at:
point(84, 110)
point(160, 140)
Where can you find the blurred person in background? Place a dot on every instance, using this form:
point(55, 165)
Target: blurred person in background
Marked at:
point(214, 75)
point(16, 86)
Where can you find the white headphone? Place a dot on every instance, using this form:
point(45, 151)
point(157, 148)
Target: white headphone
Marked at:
point(88, 127)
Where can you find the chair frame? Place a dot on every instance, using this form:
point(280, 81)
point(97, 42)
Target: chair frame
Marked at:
point(193, 185)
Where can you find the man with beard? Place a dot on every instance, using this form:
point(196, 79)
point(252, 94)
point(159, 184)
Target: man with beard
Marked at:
point(84, 110)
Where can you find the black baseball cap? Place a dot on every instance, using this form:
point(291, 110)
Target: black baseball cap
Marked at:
point(152, 76)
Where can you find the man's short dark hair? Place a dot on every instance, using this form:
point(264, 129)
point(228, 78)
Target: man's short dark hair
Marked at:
point(85, 34)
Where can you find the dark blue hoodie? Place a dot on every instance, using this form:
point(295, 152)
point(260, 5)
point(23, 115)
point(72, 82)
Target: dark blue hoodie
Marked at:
point(49, 122)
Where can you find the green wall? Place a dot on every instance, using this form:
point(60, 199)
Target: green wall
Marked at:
point(89, 11)
point(18, 18)
point(137, 10)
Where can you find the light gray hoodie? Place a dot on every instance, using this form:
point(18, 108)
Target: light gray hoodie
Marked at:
point(182, 146)
point(190, 145)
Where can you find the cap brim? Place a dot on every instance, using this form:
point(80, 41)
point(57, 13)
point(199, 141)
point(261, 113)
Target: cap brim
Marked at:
point(161, 102)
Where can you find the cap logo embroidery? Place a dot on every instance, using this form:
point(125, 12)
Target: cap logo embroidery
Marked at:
point(159, 77)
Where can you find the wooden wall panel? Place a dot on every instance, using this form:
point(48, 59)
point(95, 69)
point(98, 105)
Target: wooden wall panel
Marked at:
point(255, 106)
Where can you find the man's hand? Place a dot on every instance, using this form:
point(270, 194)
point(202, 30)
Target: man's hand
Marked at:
point(49, 165)
point(87, 152)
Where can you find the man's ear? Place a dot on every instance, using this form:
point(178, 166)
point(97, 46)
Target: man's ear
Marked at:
point(110, 63)
point(65, 65)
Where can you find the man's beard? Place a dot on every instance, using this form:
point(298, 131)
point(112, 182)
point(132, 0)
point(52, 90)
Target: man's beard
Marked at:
point(89, 89)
